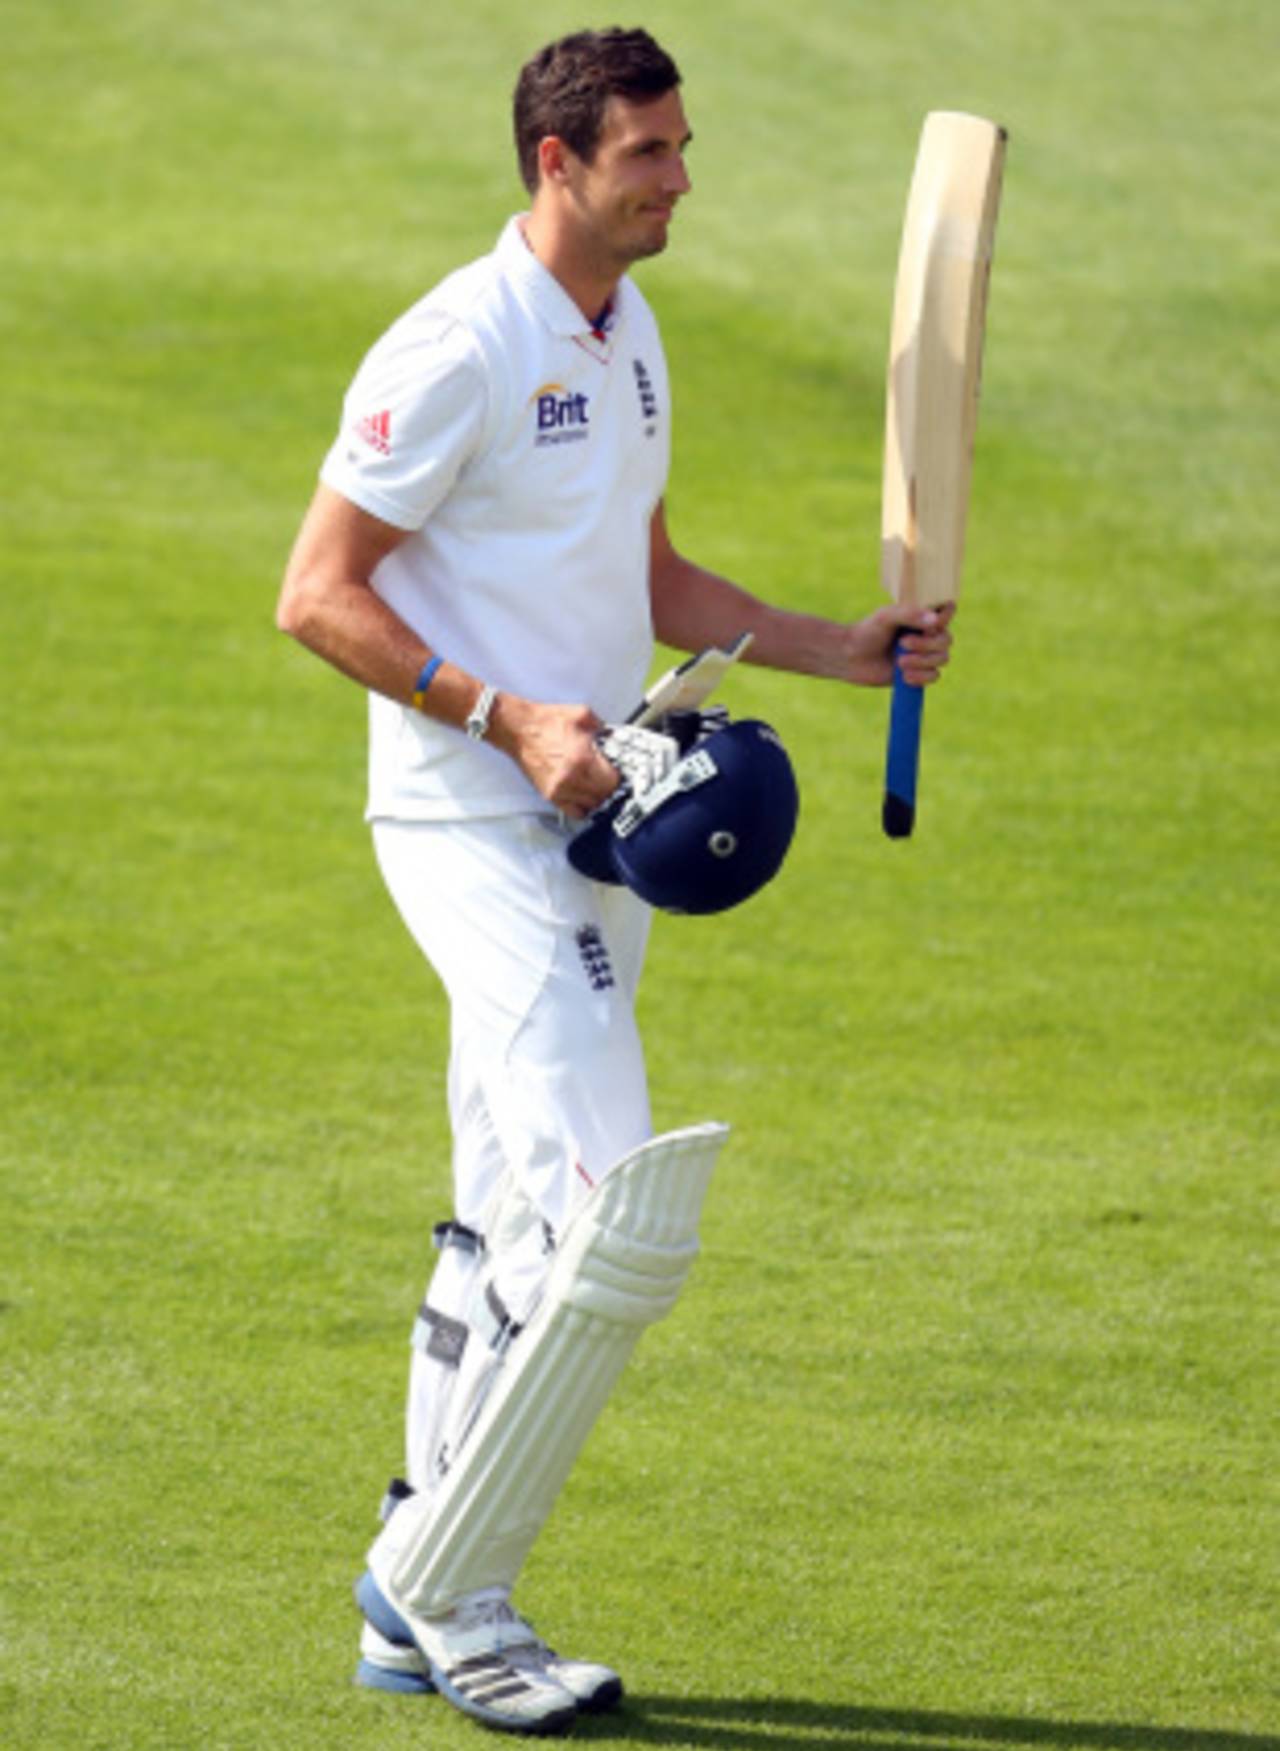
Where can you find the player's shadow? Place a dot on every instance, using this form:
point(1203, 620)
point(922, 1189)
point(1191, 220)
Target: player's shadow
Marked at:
point(782, 1724)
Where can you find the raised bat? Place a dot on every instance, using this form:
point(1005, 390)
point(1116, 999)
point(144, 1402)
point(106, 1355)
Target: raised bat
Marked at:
point(931, 402)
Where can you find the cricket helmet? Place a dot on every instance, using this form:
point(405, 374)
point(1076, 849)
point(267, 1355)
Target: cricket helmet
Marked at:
point(708, 835)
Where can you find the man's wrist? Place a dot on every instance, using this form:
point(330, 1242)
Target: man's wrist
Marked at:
point(426, 675)
point(504, 723)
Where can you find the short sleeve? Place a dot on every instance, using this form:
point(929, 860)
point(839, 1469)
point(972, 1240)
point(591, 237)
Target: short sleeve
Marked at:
point(413, 416)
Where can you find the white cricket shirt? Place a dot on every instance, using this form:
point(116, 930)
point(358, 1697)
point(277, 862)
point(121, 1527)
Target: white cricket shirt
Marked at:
point(527, 452)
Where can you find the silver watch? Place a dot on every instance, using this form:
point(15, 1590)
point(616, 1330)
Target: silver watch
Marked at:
point(477, 725)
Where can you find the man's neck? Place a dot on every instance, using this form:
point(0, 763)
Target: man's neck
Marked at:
point(591, 286)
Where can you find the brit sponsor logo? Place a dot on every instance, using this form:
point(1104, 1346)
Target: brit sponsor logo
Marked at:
point(562, 416)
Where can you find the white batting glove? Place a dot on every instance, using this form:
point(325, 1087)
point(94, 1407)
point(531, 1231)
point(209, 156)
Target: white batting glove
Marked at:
point(643, 757)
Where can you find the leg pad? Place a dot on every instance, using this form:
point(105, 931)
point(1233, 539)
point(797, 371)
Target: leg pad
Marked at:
point(622, 1262)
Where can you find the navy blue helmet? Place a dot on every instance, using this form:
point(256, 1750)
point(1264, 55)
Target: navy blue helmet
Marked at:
point(708, 835)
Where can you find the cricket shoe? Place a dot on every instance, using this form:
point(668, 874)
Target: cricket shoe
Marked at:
point(392, 1659)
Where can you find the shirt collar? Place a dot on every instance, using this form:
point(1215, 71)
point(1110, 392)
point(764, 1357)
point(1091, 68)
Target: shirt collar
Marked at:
point(545, 294)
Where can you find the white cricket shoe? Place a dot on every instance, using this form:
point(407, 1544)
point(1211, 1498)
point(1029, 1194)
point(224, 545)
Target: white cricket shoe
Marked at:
point(484, 1658)
point(388, 1665)
point(485, 1661)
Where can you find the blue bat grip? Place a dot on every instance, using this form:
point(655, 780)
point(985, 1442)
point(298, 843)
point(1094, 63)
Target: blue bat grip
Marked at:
point(903, 761)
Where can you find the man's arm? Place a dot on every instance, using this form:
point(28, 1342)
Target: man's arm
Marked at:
point(328, 603)
point(694, 608)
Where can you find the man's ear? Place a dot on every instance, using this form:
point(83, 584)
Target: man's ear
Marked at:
point(553, 159)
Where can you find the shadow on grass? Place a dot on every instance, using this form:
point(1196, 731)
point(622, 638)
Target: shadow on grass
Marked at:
point(784, 1725)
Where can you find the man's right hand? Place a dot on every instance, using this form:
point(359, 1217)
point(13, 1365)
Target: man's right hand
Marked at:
point(555, 747)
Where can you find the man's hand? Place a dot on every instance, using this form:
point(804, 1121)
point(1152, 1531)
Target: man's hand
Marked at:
point(555, 747)
point(925, 652)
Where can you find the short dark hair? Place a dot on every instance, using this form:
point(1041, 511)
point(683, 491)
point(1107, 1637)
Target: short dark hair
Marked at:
point(563, 90)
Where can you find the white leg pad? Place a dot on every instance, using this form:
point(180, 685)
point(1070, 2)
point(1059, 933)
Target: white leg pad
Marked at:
point(620, 1267)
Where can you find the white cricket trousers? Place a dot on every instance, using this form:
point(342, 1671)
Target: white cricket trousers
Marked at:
point(547, 1086)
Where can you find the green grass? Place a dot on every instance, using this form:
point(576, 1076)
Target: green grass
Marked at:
point(964, 1432)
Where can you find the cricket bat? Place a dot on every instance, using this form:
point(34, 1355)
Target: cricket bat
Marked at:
point(931, 401)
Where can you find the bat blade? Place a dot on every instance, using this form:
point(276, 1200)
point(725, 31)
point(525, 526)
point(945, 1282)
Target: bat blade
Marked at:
point(931, 400)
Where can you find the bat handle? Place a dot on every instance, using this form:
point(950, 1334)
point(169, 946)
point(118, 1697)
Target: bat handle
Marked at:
point(903, 760)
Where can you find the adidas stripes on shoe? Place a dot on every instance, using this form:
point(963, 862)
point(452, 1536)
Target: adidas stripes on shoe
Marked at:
point(484, 1658)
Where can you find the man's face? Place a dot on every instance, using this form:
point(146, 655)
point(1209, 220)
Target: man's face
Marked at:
point(624, 197)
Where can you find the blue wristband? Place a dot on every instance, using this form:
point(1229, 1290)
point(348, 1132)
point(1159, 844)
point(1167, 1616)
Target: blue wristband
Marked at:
point(424, 681)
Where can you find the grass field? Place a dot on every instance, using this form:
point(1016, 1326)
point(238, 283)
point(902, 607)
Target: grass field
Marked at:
point(965, 1431)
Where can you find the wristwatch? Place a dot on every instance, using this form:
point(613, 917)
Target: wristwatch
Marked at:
point(477, 725)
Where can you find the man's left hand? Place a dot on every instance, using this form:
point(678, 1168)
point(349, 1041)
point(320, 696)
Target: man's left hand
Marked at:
point(925, 648)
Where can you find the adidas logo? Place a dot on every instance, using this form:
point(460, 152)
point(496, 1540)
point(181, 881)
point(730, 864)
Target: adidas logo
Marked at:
point(375, 429)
